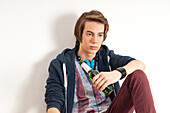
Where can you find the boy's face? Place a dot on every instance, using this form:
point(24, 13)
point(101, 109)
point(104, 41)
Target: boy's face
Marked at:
point(92, 37)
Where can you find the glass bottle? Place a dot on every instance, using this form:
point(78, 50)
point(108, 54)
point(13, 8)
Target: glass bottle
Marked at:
point(93, 73)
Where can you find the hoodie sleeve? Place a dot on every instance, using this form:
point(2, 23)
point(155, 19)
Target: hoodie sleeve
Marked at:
point(119, 60)
point(54, 95)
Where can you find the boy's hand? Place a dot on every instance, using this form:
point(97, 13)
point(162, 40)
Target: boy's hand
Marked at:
point(103, 79)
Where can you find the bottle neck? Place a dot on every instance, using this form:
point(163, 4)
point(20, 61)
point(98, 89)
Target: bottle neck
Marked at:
point(85, 66)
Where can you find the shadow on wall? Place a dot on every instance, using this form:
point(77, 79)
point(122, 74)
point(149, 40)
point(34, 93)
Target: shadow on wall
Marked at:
point(31, 96)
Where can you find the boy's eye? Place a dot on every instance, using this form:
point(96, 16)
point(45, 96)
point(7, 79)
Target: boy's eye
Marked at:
point(100, 35)
point(89, 34)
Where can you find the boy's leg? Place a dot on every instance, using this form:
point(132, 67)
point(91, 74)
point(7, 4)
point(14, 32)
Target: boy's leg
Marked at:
point(134, 93)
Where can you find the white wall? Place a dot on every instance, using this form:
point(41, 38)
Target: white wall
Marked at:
point(33, 32)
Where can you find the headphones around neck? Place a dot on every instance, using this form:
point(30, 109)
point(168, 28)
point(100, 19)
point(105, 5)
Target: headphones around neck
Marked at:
point(92, 63)
point(79, 58)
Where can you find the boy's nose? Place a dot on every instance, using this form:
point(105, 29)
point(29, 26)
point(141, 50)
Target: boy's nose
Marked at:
point(94, 39)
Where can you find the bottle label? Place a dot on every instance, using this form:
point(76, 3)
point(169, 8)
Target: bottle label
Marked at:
point(85, 67)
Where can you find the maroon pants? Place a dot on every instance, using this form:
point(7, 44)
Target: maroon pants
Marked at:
point(135, 94)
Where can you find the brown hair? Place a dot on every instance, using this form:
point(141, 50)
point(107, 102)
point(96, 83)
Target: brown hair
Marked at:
point(93, 15)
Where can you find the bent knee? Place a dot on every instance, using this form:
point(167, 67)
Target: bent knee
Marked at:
point(139, 75)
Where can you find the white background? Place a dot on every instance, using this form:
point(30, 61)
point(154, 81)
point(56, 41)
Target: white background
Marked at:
point(33, 32)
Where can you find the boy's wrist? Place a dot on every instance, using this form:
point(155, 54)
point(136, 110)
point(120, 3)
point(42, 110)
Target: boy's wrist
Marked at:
point(122, 71)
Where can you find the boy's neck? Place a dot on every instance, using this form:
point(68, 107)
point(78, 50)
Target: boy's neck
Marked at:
point(86, 56)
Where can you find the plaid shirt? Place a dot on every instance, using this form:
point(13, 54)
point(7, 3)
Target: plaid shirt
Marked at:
point(86, 97)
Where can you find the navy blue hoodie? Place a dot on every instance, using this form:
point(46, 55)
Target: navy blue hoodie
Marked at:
point(55, 91)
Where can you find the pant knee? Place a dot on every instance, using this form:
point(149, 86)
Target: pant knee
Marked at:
point(139, 74)
point(137, 77)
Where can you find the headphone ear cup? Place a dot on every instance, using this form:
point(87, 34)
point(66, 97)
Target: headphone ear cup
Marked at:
point(78, 58)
